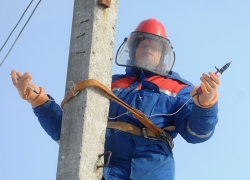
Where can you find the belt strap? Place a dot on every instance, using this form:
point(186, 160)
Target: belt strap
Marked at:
point(143, 132)
point(129, 128)
point(104, 90)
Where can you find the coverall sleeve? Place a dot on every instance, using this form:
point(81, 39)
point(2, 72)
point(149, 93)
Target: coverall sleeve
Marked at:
point(193, 123)
point(50, 117)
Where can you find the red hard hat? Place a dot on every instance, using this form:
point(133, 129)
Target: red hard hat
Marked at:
point(152, 26)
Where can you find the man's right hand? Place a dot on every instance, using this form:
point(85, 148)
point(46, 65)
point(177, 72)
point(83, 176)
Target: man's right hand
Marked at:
point(21, 82)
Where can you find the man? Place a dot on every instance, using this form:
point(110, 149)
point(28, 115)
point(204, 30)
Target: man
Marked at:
point(150, 86)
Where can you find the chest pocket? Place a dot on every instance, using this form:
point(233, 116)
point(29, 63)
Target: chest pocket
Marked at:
point(149, 87)
point(146, 97)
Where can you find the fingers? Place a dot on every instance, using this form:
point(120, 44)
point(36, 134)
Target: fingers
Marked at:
point(21, 82)
point(24, 92)
point(204, 89)
point(23, 78)
point(215, 78)
point(13, 77)
point(209, 83)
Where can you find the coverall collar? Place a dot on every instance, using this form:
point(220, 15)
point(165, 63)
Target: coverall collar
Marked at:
point(143, 74)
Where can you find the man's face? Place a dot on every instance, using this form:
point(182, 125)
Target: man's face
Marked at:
point(148, 54)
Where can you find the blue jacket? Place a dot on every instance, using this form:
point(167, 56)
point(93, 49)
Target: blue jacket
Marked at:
point(135, 157)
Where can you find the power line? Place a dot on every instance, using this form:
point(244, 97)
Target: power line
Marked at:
point(16, 26)
point(20, 33)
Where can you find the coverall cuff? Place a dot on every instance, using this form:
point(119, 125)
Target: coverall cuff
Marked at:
point(50, 117)
point(205, 111)
point(40, 108)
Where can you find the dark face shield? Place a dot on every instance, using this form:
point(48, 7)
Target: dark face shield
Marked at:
point(146, 51)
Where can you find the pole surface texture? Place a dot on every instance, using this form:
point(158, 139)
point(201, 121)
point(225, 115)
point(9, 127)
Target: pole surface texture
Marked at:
point(85, 116)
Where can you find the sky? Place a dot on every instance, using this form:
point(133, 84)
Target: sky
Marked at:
point(204, 34)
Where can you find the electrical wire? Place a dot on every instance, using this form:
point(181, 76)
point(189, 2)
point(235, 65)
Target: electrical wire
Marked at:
point(119, 115)
point(159, 114)
point(20, 33)
point(55, 101)
point(16, 26)
point(172, 113)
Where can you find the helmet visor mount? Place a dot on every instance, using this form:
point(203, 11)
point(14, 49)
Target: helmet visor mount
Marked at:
point(146, 51)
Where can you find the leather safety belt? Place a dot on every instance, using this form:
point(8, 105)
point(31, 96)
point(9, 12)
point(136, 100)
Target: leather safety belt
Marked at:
point(104, 90)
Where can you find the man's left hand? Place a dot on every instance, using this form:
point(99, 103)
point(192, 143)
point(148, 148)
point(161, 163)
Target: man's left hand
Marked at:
point(209, 95)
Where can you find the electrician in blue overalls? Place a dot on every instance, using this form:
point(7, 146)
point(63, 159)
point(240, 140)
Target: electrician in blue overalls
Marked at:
point(151, 86)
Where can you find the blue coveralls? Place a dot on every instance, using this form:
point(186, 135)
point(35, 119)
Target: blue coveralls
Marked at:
point(134, 157)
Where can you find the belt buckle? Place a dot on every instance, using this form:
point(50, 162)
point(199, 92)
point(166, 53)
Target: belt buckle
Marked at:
point(145, 134)
point(168, 138)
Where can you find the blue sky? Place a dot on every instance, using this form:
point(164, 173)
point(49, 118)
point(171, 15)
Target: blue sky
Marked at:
point(204, 34)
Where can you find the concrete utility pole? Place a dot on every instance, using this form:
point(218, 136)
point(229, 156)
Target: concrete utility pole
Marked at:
point(85, 117)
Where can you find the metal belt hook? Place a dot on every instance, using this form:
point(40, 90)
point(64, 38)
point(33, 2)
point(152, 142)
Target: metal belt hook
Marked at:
point(71, 86)
point(107, 163)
